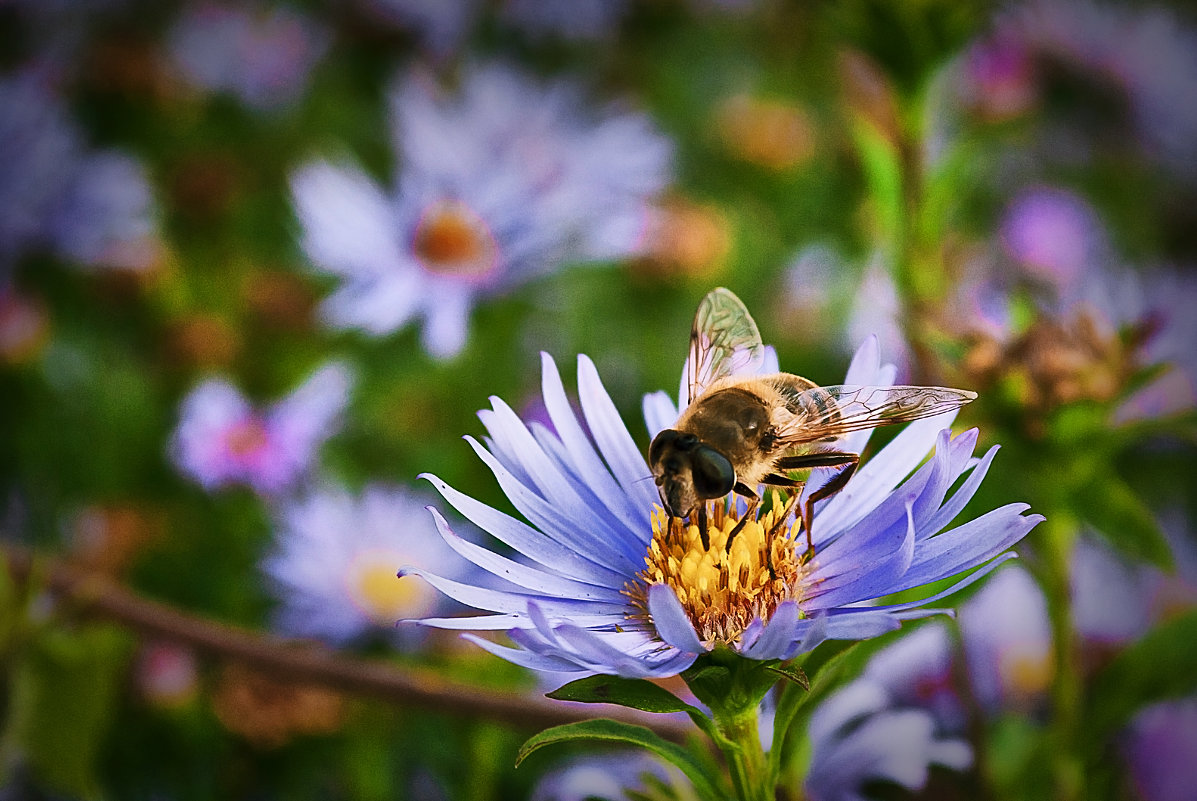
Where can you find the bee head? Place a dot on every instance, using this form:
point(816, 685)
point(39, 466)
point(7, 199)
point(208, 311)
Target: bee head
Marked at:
point(688, 471)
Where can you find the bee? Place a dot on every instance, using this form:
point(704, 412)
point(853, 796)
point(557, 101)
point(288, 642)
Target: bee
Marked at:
point(739, 429)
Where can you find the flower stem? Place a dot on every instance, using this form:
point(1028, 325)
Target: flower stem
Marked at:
point(745, 756)
point(1057, 543)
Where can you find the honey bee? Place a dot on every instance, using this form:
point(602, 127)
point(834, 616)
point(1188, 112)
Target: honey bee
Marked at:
point(739, 430)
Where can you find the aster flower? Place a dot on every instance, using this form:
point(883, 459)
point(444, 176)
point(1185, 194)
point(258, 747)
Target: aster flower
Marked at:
point(92, 207)
point(500, 183)
point(261, 55)
point(223, 439)
point(1095, 325)
point(1114, 602)
point(608, 587)
point(607, 776)
point(1160, 748)
point(918, 672)
point(1007, 641)
point(333, 562)
point(858, 737)
point(1146, 53)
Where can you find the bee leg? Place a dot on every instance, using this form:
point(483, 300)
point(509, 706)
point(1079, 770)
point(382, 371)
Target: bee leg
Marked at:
point(753, 500)
point(837, 483)
point(776, 527)
point(702, 526)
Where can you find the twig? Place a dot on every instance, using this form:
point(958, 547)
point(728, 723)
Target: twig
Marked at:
point(98, 595)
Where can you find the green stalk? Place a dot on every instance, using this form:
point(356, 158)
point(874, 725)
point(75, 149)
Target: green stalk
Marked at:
point(746, 758)
point(1056, 544)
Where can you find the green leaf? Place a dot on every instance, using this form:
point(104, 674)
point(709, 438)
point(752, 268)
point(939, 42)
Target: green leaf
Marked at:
point(1118, 514)
point(635, 693)
point(613, 731)
point(792, 673)
point(1162, 665)
point(64, 686)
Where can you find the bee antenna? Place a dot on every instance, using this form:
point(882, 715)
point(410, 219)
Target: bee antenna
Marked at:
point(649, 477)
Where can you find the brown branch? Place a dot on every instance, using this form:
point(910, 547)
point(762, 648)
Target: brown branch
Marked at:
point(97, 595)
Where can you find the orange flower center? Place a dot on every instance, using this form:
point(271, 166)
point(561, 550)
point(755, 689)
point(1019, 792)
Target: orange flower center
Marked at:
point(452, 240)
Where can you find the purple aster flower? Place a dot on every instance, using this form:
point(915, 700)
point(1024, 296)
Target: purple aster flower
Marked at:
point(1053, 234)
point(1007, 641)
point(1114, 602)
point(858, 737)
point(333, 563)
point(609, 776)
point(1160, 749)
point(261, 55)
point(606, 586)
point(223, 439)
point(1146, 53)
point(918, 671)
point(93, 207)
point(501, 182)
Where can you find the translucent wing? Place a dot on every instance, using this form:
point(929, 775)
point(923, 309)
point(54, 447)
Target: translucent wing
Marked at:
point(827, 413)
point(724, 341)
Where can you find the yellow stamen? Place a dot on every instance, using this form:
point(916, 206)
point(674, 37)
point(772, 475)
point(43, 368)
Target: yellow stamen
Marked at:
point(723, 590)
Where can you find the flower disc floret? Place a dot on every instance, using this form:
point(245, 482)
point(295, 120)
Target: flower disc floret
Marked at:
point(722, 589)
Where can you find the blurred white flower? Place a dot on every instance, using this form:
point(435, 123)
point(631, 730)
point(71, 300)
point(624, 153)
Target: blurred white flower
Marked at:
point(501, 182)
point(335, 558)
point(223, 439)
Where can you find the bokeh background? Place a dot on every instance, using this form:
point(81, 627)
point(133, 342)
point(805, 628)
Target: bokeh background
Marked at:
point(261, 264)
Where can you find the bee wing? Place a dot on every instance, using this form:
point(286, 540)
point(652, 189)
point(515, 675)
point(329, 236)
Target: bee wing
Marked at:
point(724, 340)
point(828, 413)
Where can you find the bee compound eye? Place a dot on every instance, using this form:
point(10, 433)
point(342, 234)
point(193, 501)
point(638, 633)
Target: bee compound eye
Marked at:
point(661, 444)
point(712, 472)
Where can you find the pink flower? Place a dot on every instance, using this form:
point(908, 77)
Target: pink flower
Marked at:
point(223, 439)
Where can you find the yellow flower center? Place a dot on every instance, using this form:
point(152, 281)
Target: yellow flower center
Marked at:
point(370, 582)
point(1026, 675)
point(451, 239)
point(722, 589)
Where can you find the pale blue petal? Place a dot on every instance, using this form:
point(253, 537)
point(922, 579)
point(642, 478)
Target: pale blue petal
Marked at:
point(660, 412)
point(671, 621)
point(523, 576)
point(778, 633)
point(499, 601)
point(571, 532)
point(535, 545)
point(615, 443)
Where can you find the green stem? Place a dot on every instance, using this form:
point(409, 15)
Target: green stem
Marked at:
point(745, 757)
point(1056, 546)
